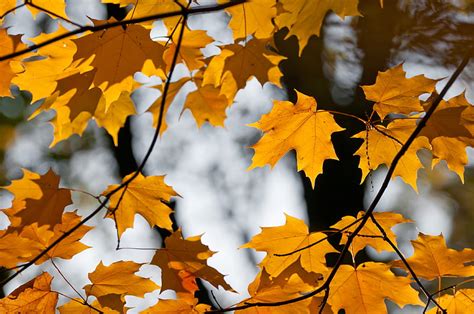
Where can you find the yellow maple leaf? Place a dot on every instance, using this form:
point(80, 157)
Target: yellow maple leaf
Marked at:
point(450, 130)
point(182, 261)
point(253, 17)
point(44, 200)
point(67, 248)
point(459, 303)
point(236, 64)
point(183, 306)
point(118, 279)
point(394, 93)
point(288, 238)
point(432, 259)
point(300, 127)
point(381, 144)
point(304, 18)
point(291, 283)
point(15, 249)
point(147, 196)
point(365, 288)
point(114, 117)
point(386, 220)
point(35, 296)
point(206, 103)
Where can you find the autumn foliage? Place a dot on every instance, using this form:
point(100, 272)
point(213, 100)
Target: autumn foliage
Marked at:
point(84, 73)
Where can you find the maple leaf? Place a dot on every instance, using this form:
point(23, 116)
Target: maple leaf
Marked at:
point(15, 249)
point(291, 283)
point(182, 261)
point(394, 93)
point(253, 17)
point(386, 220)
point(8, 44)
point(381, 144)
point(35, 296)
point(364, 289)
point(67, 248)
point(288, 238)
point(300, 127)
point(118, 279)
point(450, 130)
point(459, 303)
point(183, 306)
point(206, 103)
point(114, 117)
point(44, 199)
point(147, 196)
point(304, 18)
point(238, 63)
point(432, 259)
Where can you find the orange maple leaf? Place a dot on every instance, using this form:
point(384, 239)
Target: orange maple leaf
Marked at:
point(301, 127)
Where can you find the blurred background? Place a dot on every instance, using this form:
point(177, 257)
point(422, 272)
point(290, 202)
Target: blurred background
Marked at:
point(207, 166)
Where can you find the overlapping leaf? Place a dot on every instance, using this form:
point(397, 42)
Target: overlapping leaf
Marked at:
point(365, 288)
point(433, 259)
point(182, 261)
point(304, 18)
point(147, 196)
point(292, 236)
point(394, 93)
point(370, 234)
point(34, 296)
point(116, 281)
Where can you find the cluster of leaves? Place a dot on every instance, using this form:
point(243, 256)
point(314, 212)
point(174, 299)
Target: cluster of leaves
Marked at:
point(87, 73)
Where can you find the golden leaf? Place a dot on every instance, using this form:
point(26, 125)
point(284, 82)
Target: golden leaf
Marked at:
point(394, 93)
point(146, 196)
point(365, 288)
point(432, 259)
point(300, 127)
point(288, 238)
point(386, 220)
point(35, 296)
